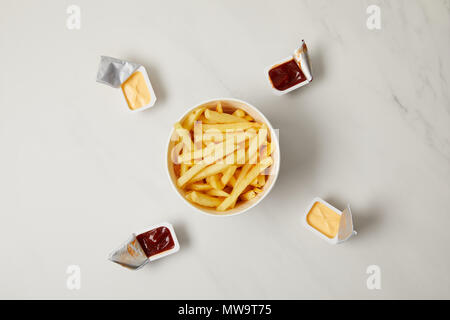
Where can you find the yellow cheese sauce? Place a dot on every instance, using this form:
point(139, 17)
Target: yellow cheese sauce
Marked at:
point(324, 219)
point(136, 91)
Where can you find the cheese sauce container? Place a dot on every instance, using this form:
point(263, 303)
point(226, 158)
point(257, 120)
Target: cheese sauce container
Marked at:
point(133, 80)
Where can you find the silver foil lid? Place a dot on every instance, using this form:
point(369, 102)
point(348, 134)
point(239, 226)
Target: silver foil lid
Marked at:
point(302, 57)
point(129, 254)
point(114, 72)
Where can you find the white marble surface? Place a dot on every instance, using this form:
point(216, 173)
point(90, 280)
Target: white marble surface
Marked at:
point(79, 173)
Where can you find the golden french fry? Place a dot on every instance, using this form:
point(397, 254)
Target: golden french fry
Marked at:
point(248, 118)
point(188, 145)
point(265, 150)
point(227, 174)
point(215, 182)
point(209, 171)
point(239, 113)
point(257, 190)
point(261, 180)
point(199, 186)
point(243, 172)
point(241, 184)
point(248, 195)
point(188, 123)
point(232, 182)
point(254, 183)
point(204, 120)
point(175, 153)
point(218, 117)
point(213, 152)
point(219, 107)
point(183, 168)
point(224, 127)
point(217, 193)
point(196, 168)
point(203, 199)
point(184, 134)
point(254, 146)
point(213, 136)
point(269, 148)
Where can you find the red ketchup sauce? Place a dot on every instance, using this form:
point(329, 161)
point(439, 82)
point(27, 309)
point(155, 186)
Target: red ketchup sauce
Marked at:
point(156, 241)
point(286, 75)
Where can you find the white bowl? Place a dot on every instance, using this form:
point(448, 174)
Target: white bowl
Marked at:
point(273, 170)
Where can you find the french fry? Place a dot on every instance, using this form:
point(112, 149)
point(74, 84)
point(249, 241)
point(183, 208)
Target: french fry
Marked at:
point(215, 182)
point(188, 123)
point(217, 193)
point(265, 150)
point(239, 113)
point(213, 152)
point(254, 146)
point(261, 180)
point(210, 170)
point(183, 168)
point(248, 118)
point(248, 195)
point(203, 199)
point(228, 173)
point(232, 182)
point(254, 183)
point(196, 168)
point(257, 190)
point(241, 184)
point(243, 172)
point(175, 153)
point(184, 134)
point(218, 117)
point(224, 127)
point(219, 107)
point(199, 186)
point(188, 145)
point(213, 136)
point(204, 120)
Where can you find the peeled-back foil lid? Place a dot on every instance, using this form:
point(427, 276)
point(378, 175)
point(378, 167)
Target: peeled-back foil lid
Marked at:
point(114, 72)
point(129, 254)
point(302, 57)
point(346, 225)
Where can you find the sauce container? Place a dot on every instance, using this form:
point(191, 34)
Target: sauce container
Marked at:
point(145, 85)
point(131, 78)
point(290, 73)
point(327, 222)
point(149, 244)
point(162, 253)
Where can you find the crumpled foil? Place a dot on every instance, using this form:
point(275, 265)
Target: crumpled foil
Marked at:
point(130, 254)
point(114, 72)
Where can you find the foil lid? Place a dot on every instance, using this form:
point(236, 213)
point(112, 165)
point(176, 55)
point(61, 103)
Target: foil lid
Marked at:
point(346, 225)
point(302, 58)
point(129, 254)
point(114, 72)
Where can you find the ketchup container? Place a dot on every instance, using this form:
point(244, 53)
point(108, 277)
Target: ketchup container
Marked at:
point(290, 73)
point(150, 244)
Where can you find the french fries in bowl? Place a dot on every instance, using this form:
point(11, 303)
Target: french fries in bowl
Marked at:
point(223, 157)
